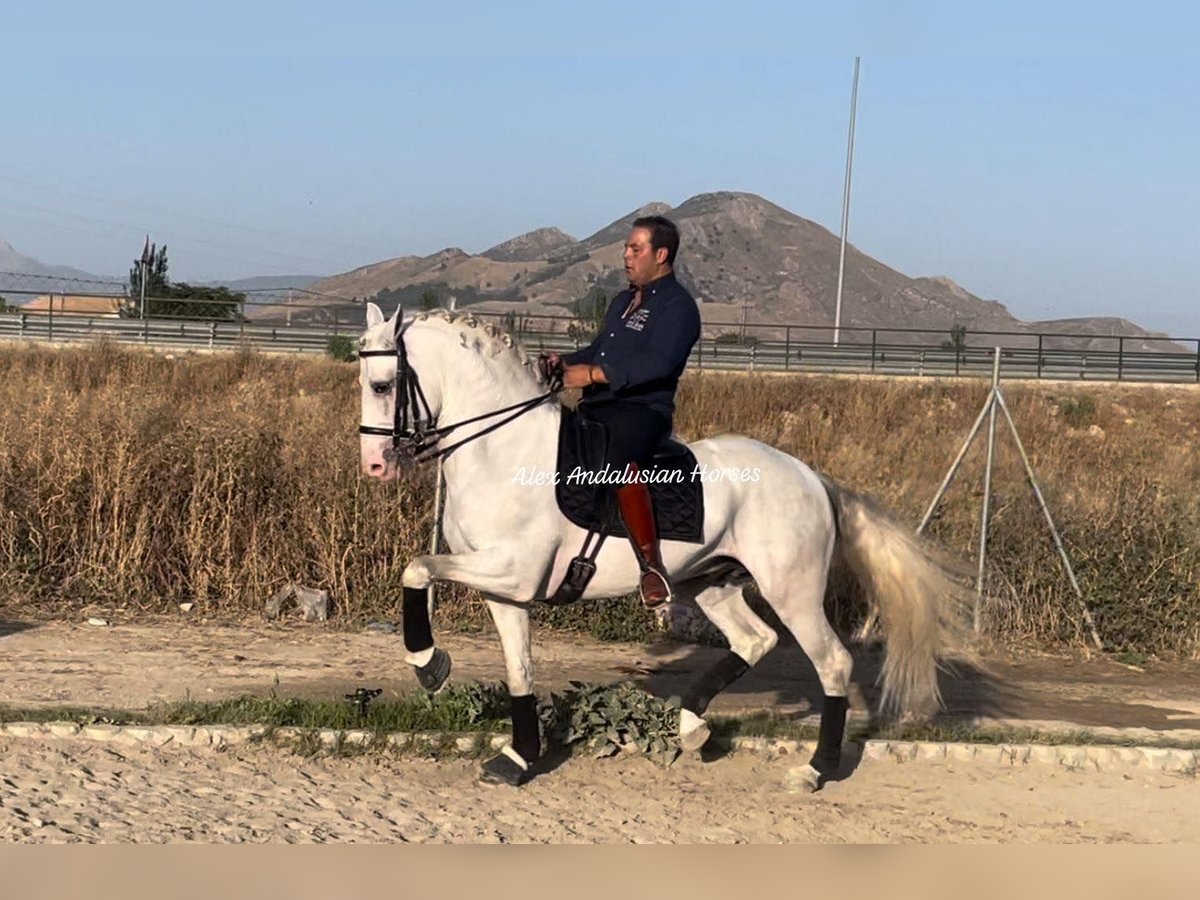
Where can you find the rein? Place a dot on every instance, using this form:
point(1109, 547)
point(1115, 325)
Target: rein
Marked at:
point(419, 440)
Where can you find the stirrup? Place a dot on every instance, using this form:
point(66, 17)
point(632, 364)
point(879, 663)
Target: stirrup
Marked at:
point(654, 604)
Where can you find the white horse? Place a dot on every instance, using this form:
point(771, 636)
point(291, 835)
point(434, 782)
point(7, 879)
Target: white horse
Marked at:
point(509, 540)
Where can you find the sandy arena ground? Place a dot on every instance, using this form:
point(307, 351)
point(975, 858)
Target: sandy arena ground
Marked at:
point(55, 791)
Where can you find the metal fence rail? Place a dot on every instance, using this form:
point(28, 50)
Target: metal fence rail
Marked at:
point(893, 357)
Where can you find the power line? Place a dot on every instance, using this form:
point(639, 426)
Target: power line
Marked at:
point(171, 234)
point(204, 219)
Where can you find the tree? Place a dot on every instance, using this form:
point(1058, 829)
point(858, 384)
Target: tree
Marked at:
point(430, 299)
point(156, 276)
point(589, 315)
point(185, 301)
point(5, 308)
point(182, 300)
point(958, 339)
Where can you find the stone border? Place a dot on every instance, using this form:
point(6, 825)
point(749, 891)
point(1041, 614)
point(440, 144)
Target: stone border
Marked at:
point(1097, 757)
point(1092, 757)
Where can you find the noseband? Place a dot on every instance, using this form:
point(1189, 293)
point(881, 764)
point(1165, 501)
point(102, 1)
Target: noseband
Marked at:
point(415, 433)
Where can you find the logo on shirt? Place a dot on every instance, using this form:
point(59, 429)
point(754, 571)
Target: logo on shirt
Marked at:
point(637, 321)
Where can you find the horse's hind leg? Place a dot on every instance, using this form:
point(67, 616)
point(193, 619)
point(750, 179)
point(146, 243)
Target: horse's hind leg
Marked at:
point(800, 604)
point(750, 639)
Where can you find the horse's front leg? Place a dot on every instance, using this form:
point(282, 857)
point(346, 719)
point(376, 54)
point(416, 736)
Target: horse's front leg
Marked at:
point(514, 764)
point(485, 570)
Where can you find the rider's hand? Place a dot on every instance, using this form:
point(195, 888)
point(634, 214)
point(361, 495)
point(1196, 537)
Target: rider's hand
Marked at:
point(550, 366)
point(579, 375)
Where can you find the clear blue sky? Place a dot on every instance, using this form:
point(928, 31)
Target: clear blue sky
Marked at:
point(1053, 163)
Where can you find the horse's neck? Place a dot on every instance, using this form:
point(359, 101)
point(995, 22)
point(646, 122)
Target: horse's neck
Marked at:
point(530, 440)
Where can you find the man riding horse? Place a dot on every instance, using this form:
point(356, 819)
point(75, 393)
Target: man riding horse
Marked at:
point(629, 374)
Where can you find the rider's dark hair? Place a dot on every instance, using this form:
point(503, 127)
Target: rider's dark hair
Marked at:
point(663, 233)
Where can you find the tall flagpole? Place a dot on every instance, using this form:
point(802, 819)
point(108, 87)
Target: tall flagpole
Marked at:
point(142, 285)
point(837, 315)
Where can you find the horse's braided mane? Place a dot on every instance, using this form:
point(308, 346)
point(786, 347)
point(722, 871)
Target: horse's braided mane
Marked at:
point(484, 338)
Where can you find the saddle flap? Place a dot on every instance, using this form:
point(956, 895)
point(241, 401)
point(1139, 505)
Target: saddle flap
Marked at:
point(670, 450)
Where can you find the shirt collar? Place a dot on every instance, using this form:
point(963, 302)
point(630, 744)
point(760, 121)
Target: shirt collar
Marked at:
point(652, 287)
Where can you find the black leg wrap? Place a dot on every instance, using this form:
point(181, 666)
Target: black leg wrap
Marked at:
point(828, 755)
point(526, 739)
point(724, 672)
point(526, 743)
point(418, 635)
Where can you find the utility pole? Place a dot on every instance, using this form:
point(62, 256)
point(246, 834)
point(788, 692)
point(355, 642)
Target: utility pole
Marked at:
point(147, 256)
point(837, 315)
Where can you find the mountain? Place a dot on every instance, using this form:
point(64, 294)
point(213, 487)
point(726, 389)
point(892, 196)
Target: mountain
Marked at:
point(530, 246)
point(740, 255)
point(47, 278)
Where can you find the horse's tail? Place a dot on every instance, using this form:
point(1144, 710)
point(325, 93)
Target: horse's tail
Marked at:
point(918, 598)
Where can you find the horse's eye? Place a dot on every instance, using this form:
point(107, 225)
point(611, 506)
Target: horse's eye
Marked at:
point(381, 387)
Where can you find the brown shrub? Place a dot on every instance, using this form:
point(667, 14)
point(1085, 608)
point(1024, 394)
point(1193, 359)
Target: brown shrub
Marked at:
point(136, 480)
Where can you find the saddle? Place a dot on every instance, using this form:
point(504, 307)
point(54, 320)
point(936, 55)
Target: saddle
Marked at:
point(584, 490)
point(586, 499)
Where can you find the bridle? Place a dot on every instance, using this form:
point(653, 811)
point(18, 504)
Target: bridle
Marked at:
point(415, 433)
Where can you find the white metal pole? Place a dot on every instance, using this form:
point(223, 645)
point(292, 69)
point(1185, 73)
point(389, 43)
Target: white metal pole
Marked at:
point(837, 315)
point(987, 488)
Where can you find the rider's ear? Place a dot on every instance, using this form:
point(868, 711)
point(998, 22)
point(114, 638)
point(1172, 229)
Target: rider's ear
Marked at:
point(374, 315)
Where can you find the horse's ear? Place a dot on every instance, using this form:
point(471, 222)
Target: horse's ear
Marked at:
point(397, 313)
point(374, 315)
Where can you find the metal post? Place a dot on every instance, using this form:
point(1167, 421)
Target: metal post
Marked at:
point(987, 488)
point(1039, 359)
point(787, 347)
point(1120, 357)
point(945, 486)
point(143, 286)
point(837, 315)
point(1197, 360)
point(1037, 492)
point(873, 336)
point(435, 534)
point(50, 326)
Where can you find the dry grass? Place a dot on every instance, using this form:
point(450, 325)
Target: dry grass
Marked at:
point(137, 481)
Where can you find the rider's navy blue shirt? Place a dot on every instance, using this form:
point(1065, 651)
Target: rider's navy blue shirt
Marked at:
point(643, 353)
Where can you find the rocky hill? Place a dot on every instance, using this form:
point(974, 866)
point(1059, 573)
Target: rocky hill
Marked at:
point(740, 255)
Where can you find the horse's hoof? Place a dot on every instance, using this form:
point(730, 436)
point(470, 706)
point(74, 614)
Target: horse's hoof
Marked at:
point(432, 676)
point(802, 779)
point(696, 738)
point(504, 769)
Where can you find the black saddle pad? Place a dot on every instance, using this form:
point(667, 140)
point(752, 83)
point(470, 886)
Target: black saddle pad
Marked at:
point(587, 499)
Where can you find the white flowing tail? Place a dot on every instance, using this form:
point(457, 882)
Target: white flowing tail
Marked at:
point(921, 605)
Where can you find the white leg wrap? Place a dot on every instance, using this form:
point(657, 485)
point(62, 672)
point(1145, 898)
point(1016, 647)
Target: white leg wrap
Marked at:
point(689, 721)
point(512, 754)
point(419, 659)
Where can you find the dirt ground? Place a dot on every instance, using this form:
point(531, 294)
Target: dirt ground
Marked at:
point(78, 791)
